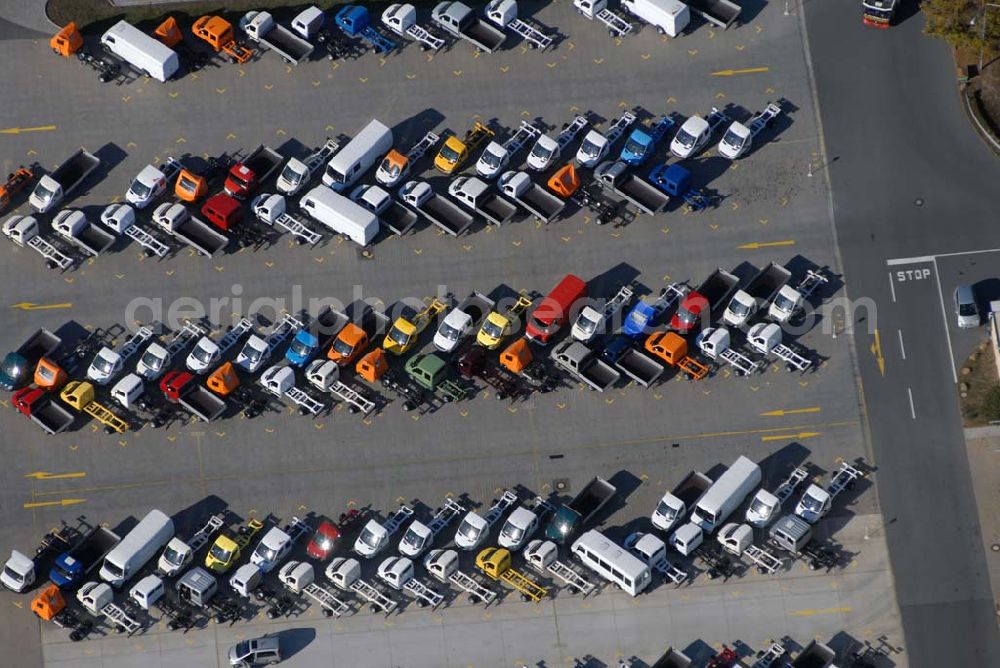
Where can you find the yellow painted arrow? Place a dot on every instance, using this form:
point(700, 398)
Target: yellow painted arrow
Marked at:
point(748, 70)
point(31, 306)
point(60, 502)
point(781, 412)
point(876, 350)
point(754, 245)
point(17, 131)
point(791, 437)
point(45, 475)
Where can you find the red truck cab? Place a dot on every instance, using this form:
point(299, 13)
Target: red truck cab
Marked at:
point(240, 180)
point(689, 312)
point(553, 311)
point(173, 384)
point(223, 211)
point(25, 398)
point(324, 541)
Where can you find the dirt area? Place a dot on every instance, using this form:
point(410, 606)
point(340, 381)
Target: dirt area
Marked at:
point(977, 378)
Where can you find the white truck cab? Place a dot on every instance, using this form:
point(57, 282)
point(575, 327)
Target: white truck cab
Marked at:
point(18, 572)
point(814, 504)
point(150, 183)
point(518, 529)
point(372, 540)
point(272, 548)
point(204, 355)
point(253, 354)
point(128, 391)
point(176, 556)
point(455, 326)
point(763, 508)
point(246, 578)
point(147, 591)
point(471, 532)
point(493, 160)
point(543, 154)
point(691, 136)
point(106, 365)
point(687, 538)
point(593, 149)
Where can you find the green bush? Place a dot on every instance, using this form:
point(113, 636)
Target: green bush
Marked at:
point(990, 406)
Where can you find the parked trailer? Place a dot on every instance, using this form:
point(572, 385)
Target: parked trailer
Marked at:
point(182, 387)
point(716, 344)
point(461, 21)
point(355, 21)
point(53, 188)
point(345, 574)
point(765, 338)
point(436, 208)
point(199, 235)
point(121, 219)
point(543, 556)
point(581, 362)
point(614, 176)
point(273, 210)
point(73, 566)
point(299, 578)
point(669, 17)
point(738, 138)
point(597, 10)
point(19, 365)
point(443, 565)
point(250, 173)
point(73, 226)
point(503, 13)
point(634, 363)
point(722, 13)
point(24, 232)
point(538, 201)
point(396, 217)
point(704, 300)
point(571, 516)
point(402, 20)
point(261, 28)
point(41, 408)
point(297, 174)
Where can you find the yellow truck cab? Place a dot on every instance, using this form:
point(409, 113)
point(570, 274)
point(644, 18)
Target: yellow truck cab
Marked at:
point(405, 331)
point(227, 549)
point(79, 395)
point(454, 152)
point(498, 325)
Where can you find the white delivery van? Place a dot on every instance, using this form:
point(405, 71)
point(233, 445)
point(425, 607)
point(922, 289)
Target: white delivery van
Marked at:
point(144, 53)
point(669, 17)
point(139, 546)
point(340, 215)
point(726, 494)
point(612, 562)
point(347, 166)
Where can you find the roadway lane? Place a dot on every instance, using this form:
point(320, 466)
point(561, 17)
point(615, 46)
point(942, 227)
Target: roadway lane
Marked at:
point(895, 133)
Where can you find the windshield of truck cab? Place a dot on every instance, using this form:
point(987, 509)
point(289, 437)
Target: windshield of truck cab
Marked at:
point(492, 329)
point(188, 184)
point(113, 569)
point(491, 159)
point(448, 332)
point(590, 149)
point(541, 152)
point(449, 154)
point(512, 532)
point(220, 554)
point(739, 308)
point(638, 318)
point(202, 355)
point(172, 556)
point(266, 553)
point(43, 192)
point(967, 309)
point(413, 539)
point(634, 147)
point(684, 138)
point(390, 168)
point(290, 175)
point(45, 373)
point(253, 355)
point(13, 365)
point(369, 538)
point(399, 336)
point(342, 347)
point(586, 324)
point(686, 317)
point(299, 348)
point(663, 509)
point(760, 507)
point(140, 189)
point(336, 176)
point(733, 139)
point(812, 504)
point(151, 360)
point(783, 303)
point(16, 577)
point(468, 531)
point(103, 364)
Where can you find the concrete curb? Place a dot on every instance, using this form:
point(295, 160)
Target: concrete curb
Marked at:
point(983, 130)
point(982, 432)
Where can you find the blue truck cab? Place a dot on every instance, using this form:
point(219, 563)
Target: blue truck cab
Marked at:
point(309, 340)
point(303, 347)
point(355, 21)
point(72, 567)
point(642, 142)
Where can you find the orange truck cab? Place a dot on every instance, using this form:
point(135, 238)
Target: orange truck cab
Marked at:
point(190, 187)
point(15, 183)
point(348, 345)
point(517, 356)
point(373, 366)
point(552, 312)
point(50, 376)
point(672, 348)
point(169, 32)
point(48, 603)
point(67, 41)
point(223, 211)
point(218, 32)
point(565, 181)
point(224, 380)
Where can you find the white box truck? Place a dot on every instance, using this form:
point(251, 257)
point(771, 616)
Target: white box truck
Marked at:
point(144, 53)
point(669, 17)
point(340, 215)
point(358, 156)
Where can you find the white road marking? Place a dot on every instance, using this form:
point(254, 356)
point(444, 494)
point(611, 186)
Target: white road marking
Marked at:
point(947, 332)
point(909, 260)
point(892, 287)
point(913, 413)
point(902, 349)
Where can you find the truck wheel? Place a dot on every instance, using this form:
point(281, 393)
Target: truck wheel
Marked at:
point(525, 598)
point(660, 30)
point(327, 612)
point(473, 599)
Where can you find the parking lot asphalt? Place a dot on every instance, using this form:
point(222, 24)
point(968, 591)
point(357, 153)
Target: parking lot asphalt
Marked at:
point(289, 464)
